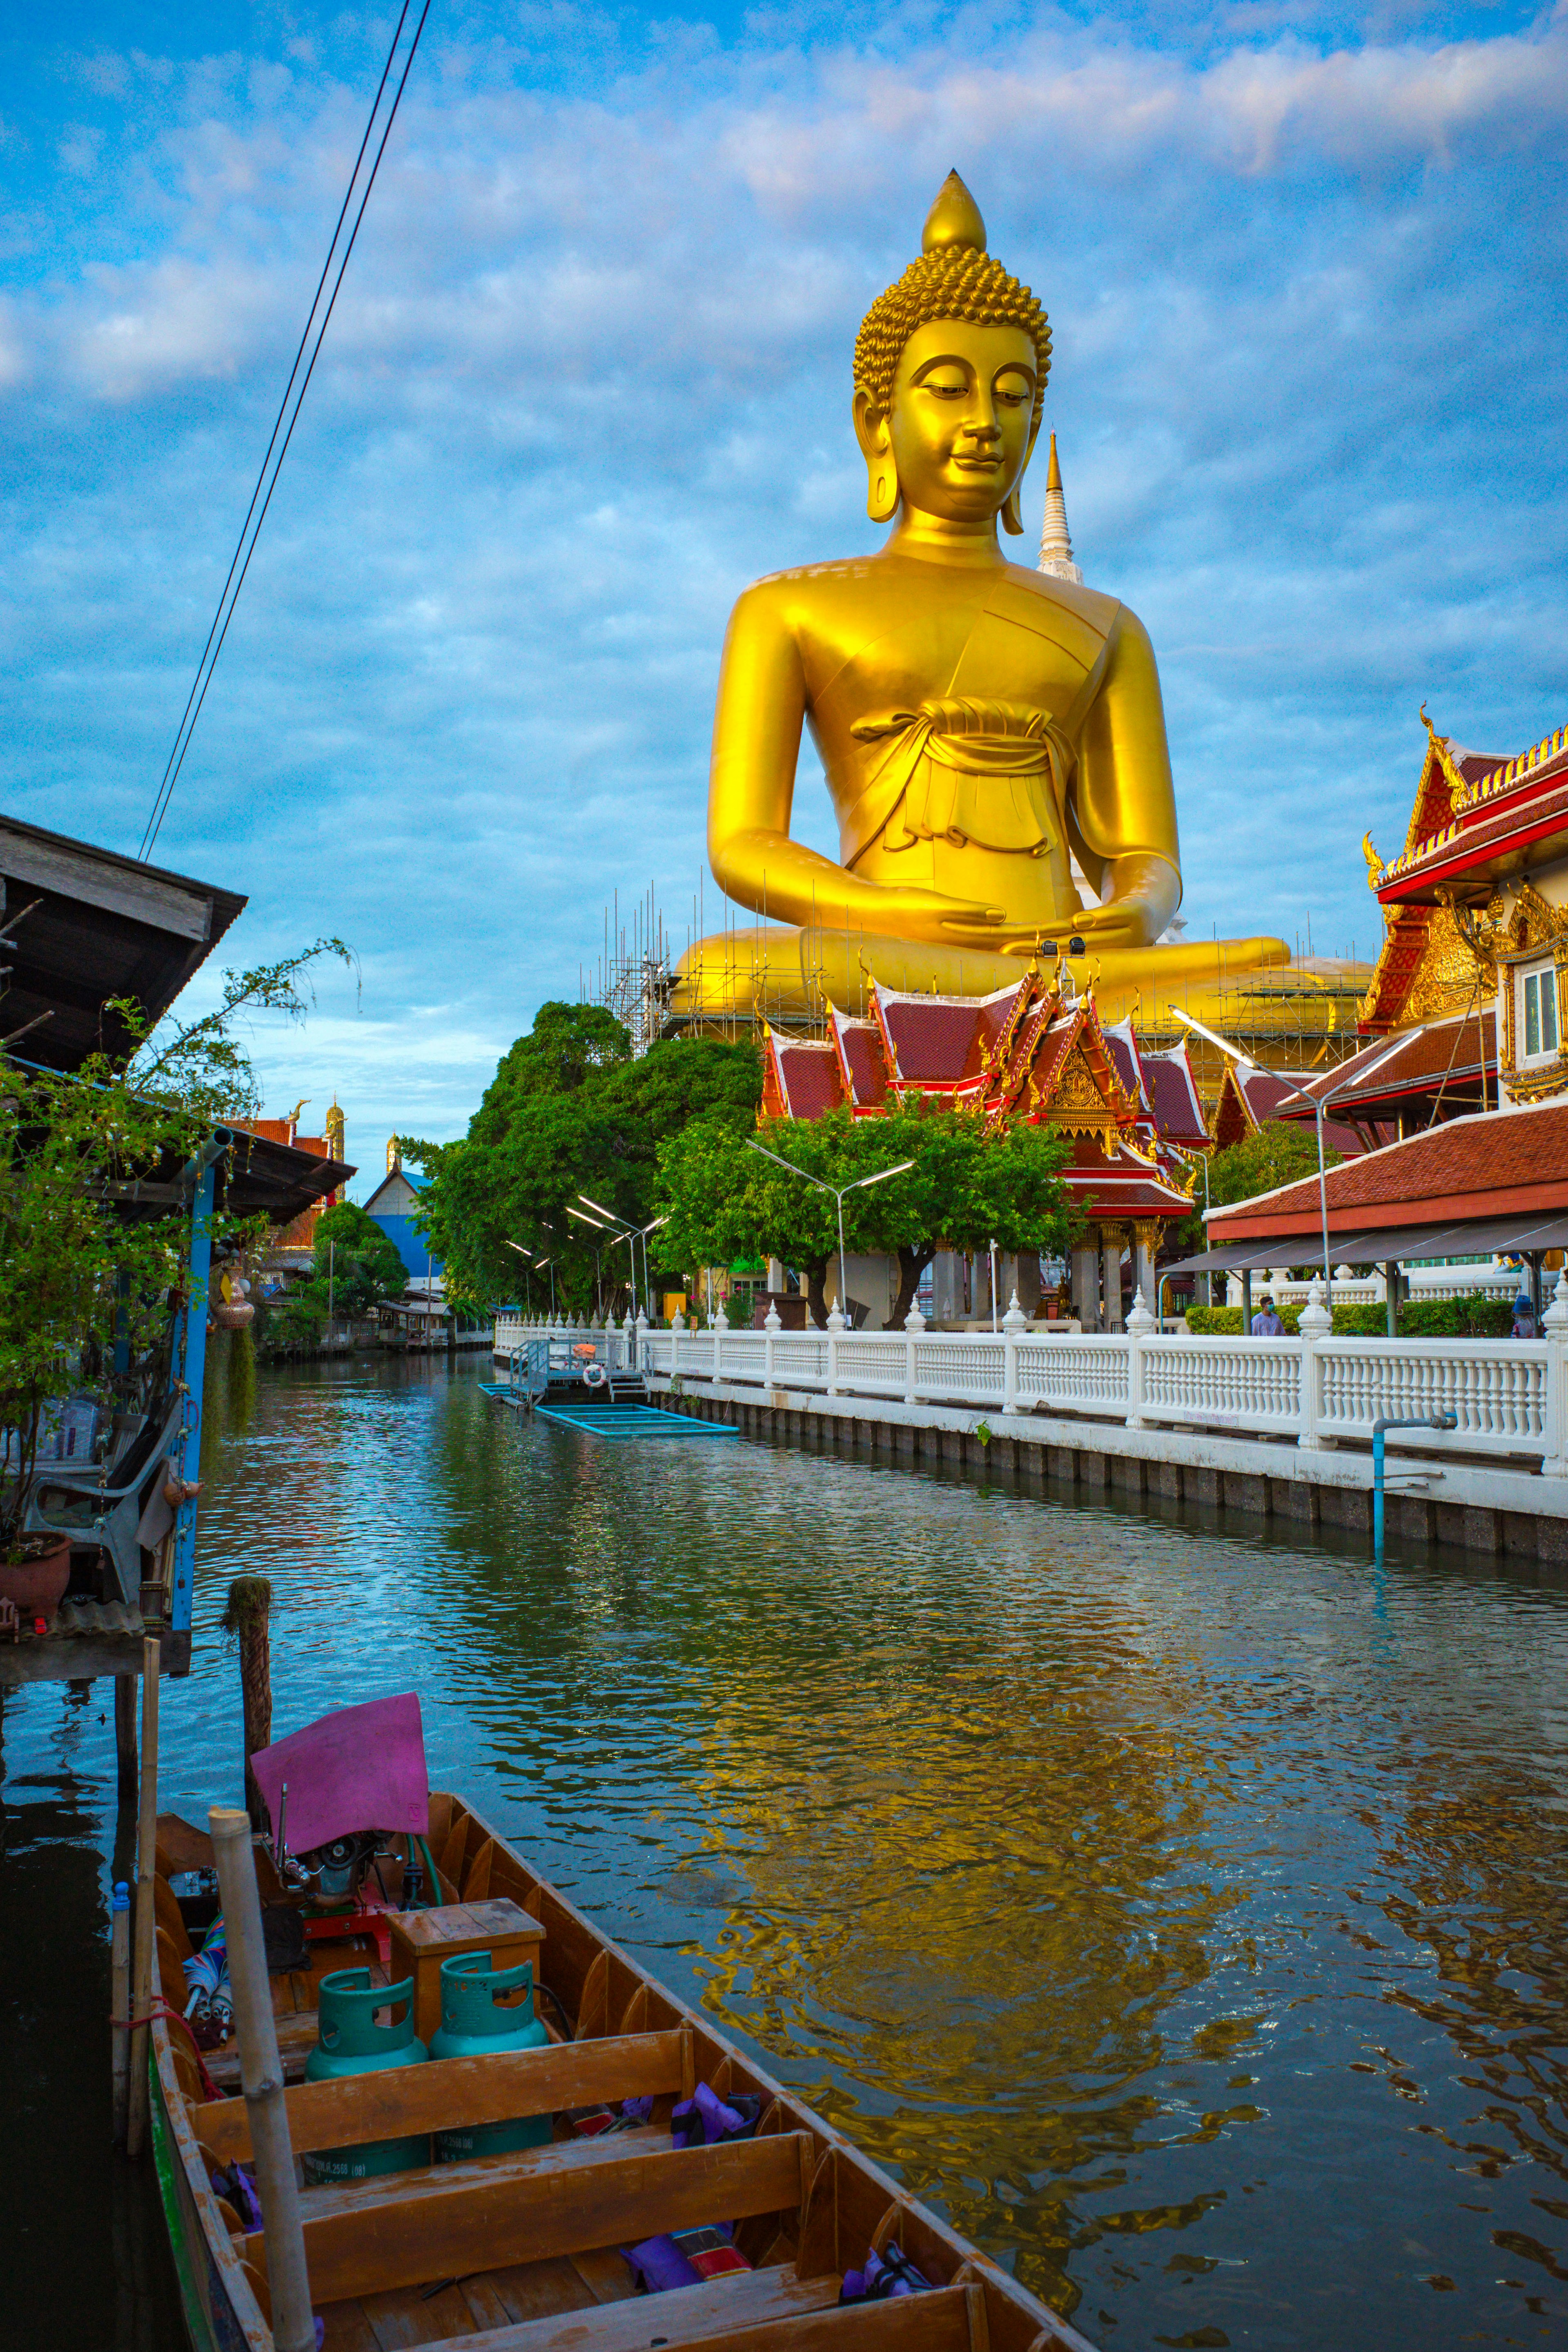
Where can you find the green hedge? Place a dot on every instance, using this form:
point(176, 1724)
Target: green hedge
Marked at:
point(1474, 1317)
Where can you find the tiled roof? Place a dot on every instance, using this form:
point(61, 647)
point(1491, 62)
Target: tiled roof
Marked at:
point(1501, 802)
point(1122, 1048)
point(860, 1054)
point(1121, 1184)
point(1457, 1169)
point(1173, 1096)
point(278, 1130)
point(944, 1039)
point(812, 1080)
point(1414, 1063)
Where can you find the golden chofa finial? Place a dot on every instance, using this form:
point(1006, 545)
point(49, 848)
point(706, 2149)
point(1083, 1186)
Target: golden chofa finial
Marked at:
point(953, 221)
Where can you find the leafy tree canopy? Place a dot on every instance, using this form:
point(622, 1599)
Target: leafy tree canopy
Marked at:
point(1281, 1151)
point(568, 1112)
point(357, 1260)
point(726, 1201)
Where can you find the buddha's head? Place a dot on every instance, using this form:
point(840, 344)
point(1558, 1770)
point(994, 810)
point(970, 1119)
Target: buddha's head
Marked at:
point(949, 373)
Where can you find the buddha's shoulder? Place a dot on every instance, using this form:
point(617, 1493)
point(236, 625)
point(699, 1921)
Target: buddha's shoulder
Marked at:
point(1027, 596)
point(843, 580)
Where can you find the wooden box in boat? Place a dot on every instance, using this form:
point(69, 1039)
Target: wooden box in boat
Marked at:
point(520, 2252)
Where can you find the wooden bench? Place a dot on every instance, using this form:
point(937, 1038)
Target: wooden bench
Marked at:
point(449, 2221)
point(450, 2093)
point(949, 2319)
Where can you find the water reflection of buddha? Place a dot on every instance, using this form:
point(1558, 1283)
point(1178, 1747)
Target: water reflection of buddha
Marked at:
point(980, 724)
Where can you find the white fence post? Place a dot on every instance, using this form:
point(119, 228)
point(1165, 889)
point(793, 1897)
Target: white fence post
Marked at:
point(1013, 1322)
point(834, 1324)
point(772, 1321)
point(639, 1363)
point(676, 1326)
point(715, 1325)
point(1140, 1323)
point(914, 1324)
point(1555, 1325)
point(1316, 1325)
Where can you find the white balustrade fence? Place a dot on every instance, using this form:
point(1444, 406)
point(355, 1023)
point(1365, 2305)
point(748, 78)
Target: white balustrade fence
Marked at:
point(1508, 1397)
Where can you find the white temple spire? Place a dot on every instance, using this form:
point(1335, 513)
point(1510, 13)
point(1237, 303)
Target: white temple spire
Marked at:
point(1056, 541)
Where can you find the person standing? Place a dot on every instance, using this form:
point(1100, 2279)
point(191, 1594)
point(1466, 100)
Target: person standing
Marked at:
point(1266, 1323)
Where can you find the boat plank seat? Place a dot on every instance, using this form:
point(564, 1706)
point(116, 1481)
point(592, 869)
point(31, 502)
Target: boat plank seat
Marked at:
point(450, 2092)
point(686, 2315)
point(450, 2220)
point(948, 2319)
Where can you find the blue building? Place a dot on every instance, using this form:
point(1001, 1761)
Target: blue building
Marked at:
point(393, 1204)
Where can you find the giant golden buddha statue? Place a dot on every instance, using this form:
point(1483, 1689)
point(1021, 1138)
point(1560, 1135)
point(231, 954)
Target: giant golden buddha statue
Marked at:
point(980, 724)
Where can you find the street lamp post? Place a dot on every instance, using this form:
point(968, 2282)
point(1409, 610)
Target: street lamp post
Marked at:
point(837, 1191)
point(1319, 1105)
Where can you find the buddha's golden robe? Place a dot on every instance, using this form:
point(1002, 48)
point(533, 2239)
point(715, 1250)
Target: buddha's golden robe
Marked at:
point(976, 722)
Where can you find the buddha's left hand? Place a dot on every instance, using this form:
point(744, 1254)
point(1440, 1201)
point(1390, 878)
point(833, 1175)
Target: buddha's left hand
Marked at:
point(1146, 891)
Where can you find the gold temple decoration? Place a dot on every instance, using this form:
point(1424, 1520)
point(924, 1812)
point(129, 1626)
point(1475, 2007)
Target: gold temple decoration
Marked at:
point(980, 725)
point(1375, 866)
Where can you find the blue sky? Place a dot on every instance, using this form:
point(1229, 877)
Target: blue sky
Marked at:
point(589, 374)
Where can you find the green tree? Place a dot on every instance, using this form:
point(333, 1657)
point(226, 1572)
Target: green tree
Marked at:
point(569, 1111)
point(725, 1201)
point(93, 1250)
point(356, 1260)
point(1281, 1151)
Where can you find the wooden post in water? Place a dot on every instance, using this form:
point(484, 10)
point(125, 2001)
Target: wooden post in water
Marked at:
point(125, 1731)
point(146, 1870)
point(245, 1616)
point(119, 2009)
point(261, 2079)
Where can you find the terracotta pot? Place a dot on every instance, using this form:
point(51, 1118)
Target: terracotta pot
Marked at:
point(38, 1586)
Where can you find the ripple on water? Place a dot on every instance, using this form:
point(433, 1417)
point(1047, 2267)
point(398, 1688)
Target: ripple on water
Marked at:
point(1183, 1914)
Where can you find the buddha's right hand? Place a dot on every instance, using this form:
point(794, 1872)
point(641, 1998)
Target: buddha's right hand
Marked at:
point(908, 913)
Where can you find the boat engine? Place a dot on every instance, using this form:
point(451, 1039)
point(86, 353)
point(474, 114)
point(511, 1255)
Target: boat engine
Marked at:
point(340, 1866)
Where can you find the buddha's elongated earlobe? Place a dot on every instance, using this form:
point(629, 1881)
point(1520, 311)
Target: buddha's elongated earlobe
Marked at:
point(1012, 515)
point(883, 487)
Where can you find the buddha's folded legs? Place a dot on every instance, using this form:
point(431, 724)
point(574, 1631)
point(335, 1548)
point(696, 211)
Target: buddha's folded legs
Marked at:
point(785, 974)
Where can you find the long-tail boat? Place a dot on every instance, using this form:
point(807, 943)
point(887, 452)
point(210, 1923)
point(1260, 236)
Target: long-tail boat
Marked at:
point(522, 2251)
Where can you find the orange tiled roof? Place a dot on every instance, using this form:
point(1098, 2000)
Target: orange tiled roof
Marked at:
point(1490, 1164)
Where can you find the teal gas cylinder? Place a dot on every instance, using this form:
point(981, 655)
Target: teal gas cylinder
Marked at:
point(351, 2042)
point(474, 2025)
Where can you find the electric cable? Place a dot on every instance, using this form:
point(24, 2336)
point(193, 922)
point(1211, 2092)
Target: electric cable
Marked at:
point(232, 585)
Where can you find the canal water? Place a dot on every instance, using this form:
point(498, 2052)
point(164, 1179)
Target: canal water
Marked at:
point(1183, 1912)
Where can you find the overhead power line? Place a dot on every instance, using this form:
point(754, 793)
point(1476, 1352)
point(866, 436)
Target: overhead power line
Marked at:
point(288, 416)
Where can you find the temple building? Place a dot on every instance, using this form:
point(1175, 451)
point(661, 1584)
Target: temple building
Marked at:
point(300, 1234)
point(1474, 908)
point(1032, 1050)
point(394, 1205)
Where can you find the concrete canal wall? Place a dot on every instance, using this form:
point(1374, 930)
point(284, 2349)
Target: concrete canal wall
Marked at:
point(1274, 1428)
point(1492, 1511)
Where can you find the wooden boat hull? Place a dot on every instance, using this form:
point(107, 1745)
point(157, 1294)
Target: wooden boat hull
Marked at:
point(829, 2203)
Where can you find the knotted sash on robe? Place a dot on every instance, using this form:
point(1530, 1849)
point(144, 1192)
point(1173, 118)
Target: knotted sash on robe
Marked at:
point(995, 774)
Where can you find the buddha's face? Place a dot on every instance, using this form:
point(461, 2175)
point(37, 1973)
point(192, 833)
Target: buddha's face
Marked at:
point(962, 410)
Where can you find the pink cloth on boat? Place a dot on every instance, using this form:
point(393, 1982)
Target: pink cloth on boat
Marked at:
point(361, 1768)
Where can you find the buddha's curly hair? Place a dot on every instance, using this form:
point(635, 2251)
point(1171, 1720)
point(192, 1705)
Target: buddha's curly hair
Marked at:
point(957, 282)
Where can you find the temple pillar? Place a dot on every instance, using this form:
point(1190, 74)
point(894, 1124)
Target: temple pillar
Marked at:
point(1112, 1241)
point(1018, 1277)
point(947, 1287)
point(1086, 1285)
point(1146, 1250)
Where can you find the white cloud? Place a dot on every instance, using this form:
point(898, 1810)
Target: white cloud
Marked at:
point(590, 373)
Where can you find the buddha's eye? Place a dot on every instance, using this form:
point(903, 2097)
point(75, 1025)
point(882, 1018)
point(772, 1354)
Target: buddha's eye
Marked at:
point(946, 387)
point(1013, 391)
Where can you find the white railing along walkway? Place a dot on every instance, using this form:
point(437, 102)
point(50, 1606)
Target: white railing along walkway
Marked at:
point(1508, 1396)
